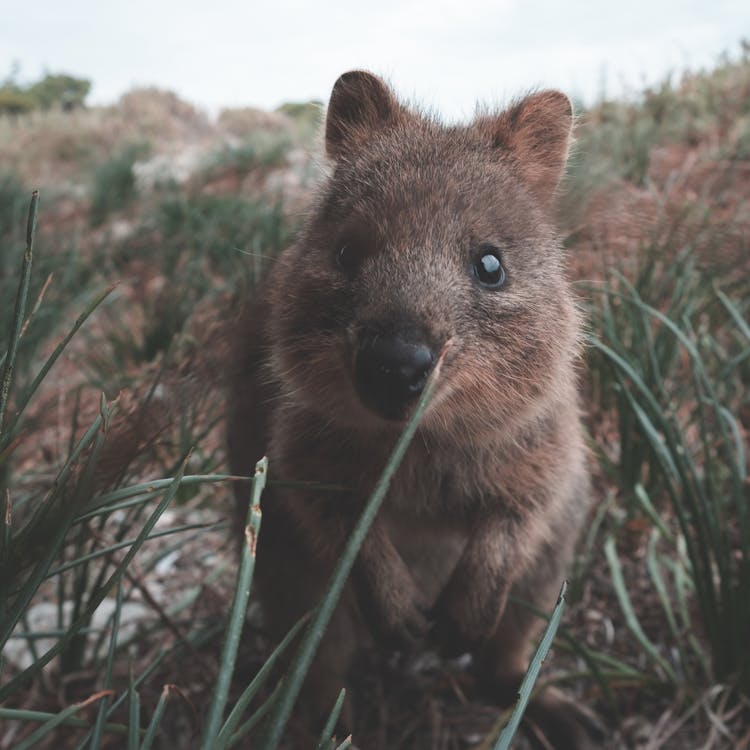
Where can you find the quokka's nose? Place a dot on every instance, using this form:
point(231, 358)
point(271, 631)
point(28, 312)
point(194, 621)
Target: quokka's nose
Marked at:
point(390, 371)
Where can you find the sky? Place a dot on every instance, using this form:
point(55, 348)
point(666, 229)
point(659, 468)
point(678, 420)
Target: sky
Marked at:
point(447, 56)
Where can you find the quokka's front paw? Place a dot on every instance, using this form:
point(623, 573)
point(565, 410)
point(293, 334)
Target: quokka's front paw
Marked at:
point(404, 629)
point(397, 615)
point(465, 618)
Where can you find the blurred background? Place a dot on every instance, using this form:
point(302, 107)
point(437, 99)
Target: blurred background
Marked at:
point(448, 55)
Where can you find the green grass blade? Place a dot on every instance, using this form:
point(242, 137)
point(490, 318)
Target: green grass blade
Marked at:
point(99, 593)
point(127, 542)
point(152, 666)
point(659, 446)
point(37, 305)
point(238, 611)
point(676, 463)
point(137, 494)
point(326, 740)
point(24, 536)
point(50, 361)
point(134, 715)
point(628, 369)
point(18, 314)
point(734, 313)
point(738, 441)
point(684, 588)
point(652, 564)
point(5, 542)
point(590, 659)
point(527, 684)
point(57, 720)
point(52, 546)
point(702, 379)
point(257, 717)
point(21, 714)
point(627, 608)
point(102, 712)
point(645, 502)
point(148, 738)
point(249, 692)
point(297, 671)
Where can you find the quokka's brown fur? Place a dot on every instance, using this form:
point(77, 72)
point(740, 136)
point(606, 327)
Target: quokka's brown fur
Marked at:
point(493, 490)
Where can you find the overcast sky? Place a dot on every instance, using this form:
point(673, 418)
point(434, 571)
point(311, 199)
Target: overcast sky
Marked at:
point(446, 55)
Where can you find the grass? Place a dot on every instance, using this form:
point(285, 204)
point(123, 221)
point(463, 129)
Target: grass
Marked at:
point(679, 379)
point(99, 493)
point(114, 187)
point(257, 151)
point(668, 373)
point(43, 528)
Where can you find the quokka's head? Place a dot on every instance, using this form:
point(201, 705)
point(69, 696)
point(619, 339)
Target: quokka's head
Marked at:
point(425, 235)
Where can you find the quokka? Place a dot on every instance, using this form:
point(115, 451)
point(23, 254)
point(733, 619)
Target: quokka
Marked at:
point(424, 239)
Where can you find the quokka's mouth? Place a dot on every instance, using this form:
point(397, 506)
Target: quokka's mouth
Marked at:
point(390, 371)
point(390, 380)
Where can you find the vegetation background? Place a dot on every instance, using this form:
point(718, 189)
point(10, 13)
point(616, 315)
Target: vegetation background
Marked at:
point(118, 565)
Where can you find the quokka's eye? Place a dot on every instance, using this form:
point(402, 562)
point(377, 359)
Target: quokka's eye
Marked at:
point(488, 268)
point(346, 259)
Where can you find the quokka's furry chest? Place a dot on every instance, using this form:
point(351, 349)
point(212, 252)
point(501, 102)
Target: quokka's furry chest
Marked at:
point(430, 550)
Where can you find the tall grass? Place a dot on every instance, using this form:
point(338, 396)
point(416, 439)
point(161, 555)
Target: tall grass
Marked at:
point(46, 544)
point(671, 354)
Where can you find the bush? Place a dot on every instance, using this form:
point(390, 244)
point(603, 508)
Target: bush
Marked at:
point(259, 151)
point(59, 90)
point(14, 102)
point(114, 187)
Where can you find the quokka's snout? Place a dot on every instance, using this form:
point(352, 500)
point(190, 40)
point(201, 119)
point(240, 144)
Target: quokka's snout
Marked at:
point(391, 366)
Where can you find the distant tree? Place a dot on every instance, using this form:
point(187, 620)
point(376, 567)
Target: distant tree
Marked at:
point(61, 90)
point(307, 116)
point(303, 112)
point(58, 90)
point(14, 101)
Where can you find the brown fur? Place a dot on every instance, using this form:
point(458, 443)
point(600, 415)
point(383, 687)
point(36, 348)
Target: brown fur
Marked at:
point(493, 490)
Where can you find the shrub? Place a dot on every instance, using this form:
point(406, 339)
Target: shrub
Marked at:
point(114, 187)
point(54, 90)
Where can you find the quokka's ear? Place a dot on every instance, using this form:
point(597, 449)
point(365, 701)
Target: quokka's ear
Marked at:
point(361, 104)
point(537, 131)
